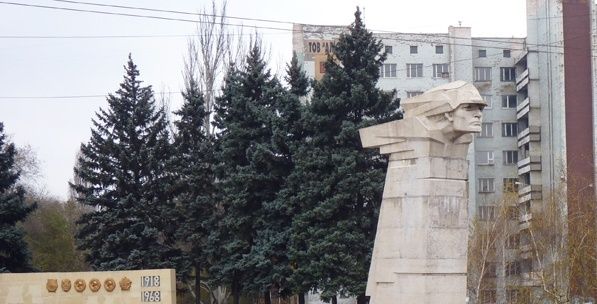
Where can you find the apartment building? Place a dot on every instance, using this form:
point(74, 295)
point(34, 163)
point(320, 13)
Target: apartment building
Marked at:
point(418, 62)
point(538, 135)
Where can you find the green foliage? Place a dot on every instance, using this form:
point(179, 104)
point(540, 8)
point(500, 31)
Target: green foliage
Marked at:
point(124, 175)
point(50, 234)
point(296, 77)
point(14, 254)
point(256, 117)
point(336, 187)
point(192, 168)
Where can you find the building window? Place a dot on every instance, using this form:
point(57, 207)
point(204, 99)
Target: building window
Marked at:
point(482, 53)
point(510, 157)
point(509, 129)
point(388, 70)
point(486, 185)
point(410, 94)
point(507, 74)
point(512, 269)
point(486, 130)
point(512, 294)
point(509, 102)
point(414, 70)
point(507, 54)
point(486, 213)
point(322, 67)
point(526, 265)
point(414, 49)
point(488, 296)
point(388, 49)
point(483, 74)
point(510, 184)
point(487, 99)
point(439, 49)
point(513, 241)
point(490, 270)
point(441, 70)
point(485, 158)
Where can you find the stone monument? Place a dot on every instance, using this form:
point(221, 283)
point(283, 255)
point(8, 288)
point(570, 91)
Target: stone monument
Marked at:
point(420, 247)
point(98, 287)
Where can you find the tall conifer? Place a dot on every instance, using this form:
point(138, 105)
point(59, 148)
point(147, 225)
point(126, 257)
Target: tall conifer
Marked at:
point(14, 254)
point(336, 187)
point(252, 156)
point(296, 77)
point(192, 165)
point(123, 174)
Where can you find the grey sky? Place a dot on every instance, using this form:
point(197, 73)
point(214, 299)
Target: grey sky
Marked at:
point(39, 67)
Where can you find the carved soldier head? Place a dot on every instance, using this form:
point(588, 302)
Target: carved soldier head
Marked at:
point(455, 108)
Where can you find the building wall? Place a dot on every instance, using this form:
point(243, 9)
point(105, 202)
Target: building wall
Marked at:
point(496, 114)
point(546, 87)
point(556, 101)
point(460, 53)
point(578, 95)
point(594, 77)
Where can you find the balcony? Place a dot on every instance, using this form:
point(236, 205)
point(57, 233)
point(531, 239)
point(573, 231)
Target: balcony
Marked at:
point(530, 163)
point(524, 248)
point(522, 76)
point(523, 108)
point(529, 193)
point(522, 80)
point(530, 279)
point(526, 217)
point(522, 60)
point(527, 189)
point(532, 133)
point(522, 85)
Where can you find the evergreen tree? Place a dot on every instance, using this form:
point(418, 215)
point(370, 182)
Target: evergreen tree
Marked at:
point(336, 187)
point(193, 168)
point(253, 116)
point(123, 175)
point(296, 77)
point(14, 254)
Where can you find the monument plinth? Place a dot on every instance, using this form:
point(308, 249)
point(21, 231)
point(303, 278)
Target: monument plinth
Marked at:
point(420, 247)
point(105, 287)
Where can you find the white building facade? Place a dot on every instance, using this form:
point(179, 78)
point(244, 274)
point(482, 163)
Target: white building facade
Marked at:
point(538, 133)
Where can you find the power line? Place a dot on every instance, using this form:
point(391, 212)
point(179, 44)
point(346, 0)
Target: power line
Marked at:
point(250, 26)
point(177, 92)
point(231, 17)
point(173, 11)
point(137, 15)
point(264, 27)
point(90, 36)
point(73, 96)
point(159, 17)
point(114, 36)
point(54, 97)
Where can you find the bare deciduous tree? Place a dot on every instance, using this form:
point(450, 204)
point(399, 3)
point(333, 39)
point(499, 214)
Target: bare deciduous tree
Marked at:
point(562, 236)
point(555, 243)
point(490, 230)
point(216, 46)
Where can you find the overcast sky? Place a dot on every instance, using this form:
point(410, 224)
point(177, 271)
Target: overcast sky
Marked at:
point(34, 69)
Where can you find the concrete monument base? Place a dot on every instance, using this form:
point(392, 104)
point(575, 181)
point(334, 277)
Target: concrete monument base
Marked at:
point(420, 247)
point(101, 287)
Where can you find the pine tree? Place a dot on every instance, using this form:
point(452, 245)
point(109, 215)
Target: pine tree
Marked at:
point(123, 175)
point(253, 116)
point(192, 166)
point(336, 187)
point(14, 254)
point(296, 77)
